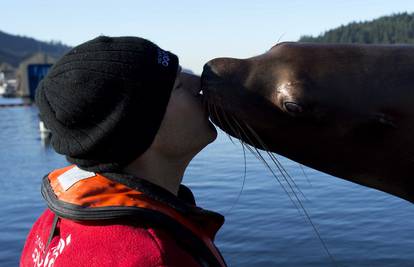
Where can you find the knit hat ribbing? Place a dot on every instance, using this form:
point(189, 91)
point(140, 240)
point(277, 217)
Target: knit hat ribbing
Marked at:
point(105, 99)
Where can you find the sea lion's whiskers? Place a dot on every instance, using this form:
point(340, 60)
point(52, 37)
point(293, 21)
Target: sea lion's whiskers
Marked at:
point(305, 212)
point(235, 131)
point(288, 193)
point(280, 37)
point(277, 163)
point(241, 139)
point(304, 174)
point(221, 123)
point(282, 171)
point(292, 184)
point(261, 158)
point(298, 204)
point(244, 179)
point(238, 136)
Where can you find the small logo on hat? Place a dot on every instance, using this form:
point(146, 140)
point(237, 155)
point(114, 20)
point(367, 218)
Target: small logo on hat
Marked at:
point(163, 58)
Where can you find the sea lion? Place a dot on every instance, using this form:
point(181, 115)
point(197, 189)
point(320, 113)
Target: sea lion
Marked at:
point(343, 109)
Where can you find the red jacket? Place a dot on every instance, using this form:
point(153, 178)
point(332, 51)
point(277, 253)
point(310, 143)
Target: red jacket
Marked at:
point(94, 220)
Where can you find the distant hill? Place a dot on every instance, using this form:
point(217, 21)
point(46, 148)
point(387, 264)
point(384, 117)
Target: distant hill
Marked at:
point(14, 49)
point(397, 28)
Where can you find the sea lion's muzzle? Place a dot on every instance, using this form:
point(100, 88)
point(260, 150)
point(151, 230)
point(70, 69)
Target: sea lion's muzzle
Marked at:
point(225, 78)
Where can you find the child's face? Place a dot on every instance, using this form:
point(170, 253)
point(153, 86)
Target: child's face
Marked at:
point(185, 128)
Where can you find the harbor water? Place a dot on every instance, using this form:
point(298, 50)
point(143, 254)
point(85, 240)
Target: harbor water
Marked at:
point(359, 226)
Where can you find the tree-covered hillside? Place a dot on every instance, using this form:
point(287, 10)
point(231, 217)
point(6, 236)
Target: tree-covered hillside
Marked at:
point(398, 28)
point(14, 49)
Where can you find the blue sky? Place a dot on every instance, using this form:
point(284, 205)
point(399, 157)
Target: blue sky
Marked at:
point(195, 30)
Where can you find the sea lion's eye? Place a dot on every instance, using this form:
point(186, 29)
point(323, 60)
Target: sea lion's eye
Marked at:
point(293, 107)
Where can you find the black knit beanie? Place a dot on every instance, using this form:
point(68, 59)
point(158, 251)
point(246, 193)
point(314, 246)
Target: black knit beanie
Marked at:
point(105, 99)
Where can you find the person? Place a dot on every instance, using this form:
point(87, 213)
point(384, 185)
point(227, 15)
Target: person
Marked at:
point(129, 121)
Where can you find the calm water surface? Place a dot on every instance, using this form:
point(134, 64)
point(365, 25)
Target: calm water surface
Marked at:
point(360, 226)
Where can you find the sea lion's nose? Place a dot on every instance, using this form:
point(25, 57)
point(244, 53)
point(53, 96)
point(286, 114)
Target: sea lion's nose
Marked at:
point(228, 69)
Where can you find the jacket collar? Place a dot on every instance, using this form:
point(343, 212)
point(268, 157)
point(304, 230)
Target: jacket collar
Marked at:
point(112, 190)
point(184, 202)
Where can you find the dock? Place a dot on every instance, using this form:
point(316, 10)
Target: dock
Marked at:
point(12, 105)
point(14, 102)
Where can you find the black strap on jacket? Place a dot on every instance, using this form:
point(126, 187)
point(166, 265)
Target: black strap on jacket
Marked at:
point(52, 230)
